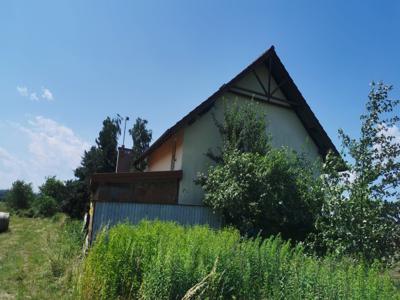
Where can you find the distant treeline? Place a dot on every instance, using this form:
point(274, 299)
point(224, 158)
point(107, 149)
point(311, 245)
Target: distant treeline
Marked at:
point(3, 194)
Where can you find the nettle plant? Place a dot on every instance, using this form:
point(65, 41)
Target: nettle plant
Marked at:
point(360, 216)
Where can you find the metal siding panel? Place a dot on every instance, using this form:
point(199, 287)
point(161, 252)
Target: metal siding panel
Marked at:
point(112, 213)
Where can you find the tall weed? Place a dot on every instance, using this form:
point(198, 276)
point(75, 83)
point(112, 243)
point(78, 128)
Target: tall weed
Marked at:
point(162, 260)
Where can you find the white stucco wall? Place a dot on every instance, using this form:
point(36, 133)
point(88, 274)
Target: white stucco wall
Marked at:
point(198, 138)
point(283, 124)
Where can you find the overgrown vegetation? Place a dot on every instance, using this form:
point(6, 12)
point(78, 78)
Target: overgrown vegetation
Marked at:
point(268, 194)
point(158, 260)
point(354, 212)
point(256, 188)
point(39, 258)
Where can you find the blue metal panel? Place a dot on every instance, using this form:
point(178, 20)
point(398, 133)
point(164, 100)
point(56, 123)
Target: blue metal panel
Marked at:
point(112, 213)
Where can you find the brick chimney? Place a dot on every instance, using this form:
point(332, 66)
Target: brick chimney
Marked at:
point(123, 160)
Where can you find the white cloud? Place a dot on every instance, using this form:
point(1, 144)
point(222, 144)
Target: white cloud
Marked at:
point(47, 94)
point(51, 149)
point(23, 91)
point(53, 144)
point(34, 97)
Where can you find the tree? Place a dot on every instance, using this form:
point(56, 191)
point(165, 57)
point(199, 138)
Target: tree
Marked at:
point(141, 137)
point(54, 188)
point(76, 202)
point(244, 128)
point(3, 194)
point(20, 195)
point(103, 156)
point(100, 158)
point(91, 163)
point(107, 144)
point(376, 166)
point(357, 218)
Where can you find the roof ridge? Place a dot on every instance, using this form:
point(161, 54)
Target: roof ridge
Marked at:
point(323, 146)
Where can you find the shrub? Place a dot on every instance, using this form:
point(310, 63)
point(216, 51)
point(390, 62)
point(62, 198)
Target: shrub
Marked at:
point(44, 206)
point(156, 260)
point(268, 194)
point(256, 188)
point(20, 195)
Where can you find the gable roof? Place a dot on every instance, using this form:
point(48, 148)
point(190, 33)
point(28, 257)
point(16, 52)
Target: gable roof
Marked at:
point(285, 83)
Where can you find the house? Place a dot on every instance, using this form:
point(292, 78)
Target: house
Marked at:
point(166, 190)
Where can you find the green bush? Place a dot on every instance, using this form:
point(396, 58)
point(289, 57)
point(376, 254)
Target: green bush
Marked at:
point(54, 188)
point(257, 188)
point(20, 195)
point(158, 260)
point(275, 193)
point(44, 206)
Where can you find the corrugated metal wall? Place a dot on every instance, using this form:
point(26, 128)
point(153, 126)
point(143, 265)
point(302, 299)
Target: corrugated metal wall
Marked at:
point(112, 213)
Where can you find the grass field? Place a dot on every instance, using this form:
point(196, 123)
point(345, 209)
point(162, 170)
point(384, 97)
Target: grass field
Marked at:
point(37, 257)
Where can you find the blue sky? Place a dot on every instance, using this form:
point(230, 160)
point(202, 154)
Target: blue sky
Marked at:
point(66, 65)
